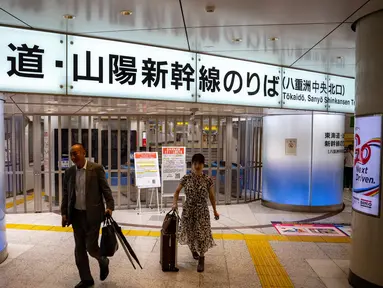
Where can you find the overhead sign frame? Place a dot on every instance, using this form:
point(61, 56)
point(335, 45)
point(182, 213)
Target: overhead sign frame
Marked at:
point(138, 71)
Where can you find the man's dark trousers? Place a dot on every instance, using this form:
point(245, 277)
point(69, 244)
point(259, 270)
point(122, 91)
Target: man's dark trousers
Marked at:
point(86, 240)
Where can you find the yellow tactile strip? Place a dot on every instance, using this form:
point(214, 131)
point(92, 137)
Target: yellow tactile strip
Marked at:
point(156, 233)
point(270, 271)
point(20, 201)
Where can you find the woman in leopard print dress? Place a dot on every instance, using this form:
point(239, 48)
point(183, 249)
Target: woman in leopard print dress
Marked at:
point(195, 221)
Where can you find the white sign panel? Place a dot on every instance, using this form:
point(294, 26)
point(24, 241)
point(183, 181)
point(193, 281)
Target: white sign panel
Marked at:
point(367, 165)
point(147, 170)
point(304, 90)
point(341, 94)
point(173, 163)
point(116, 69)
point(32, 61)
point(291, 146)
point(236, 82)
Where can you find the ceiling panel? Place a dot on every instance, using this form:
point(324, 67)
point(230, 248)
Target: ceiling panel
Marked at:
point(257, 37)
point(174, 38)
point(48, 109)
point(7, 19)
point(373, 5)
point(54, 105)
point(276, 57)
point(96, 15)
point(343, 70)
point(261, 12)
point(49, 99)
point(342, 37)
point(10, 108)
point(317, 57)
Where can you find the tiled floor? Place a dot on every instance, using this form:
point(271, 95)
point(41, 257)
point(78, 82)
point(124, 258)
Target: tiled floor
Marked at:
point(243, 257)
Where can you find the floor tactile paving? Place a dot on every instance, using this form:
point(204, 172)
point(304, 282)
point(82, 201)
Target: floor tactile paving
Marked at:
point(256, 240)
point(270, 271)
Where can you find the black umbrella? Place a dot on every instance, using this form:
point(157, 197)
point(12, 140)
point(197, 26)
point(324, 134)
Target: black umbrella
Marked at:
point(124, 242)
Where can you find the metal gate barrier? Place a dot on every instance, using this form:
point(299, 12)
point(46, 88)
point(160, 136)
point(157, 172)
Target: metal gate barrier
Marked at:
point(37, 154)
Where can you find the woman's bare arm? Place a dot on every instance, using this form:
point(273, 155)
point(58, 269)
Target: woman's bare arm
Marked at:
point(212, 199)
point(176, 195)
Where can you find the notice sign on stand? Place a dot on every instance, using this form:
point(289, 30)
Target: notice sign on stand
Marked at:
point(147, 170)
point(367, 165)
point(173, 163)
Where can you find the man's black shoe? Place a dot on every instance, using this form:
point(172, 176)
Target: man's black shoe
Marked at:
point(104, 268)
point(85, 284)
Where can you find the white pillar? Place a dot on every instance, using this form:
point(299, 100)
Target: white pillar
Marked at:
point(367, 235)
point(3, 238)
point(302, 162)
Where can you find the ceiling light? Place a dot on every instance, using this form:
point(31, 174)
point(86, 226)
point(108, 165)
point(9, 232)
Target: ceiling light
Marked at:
point(126, 12)
point(69, 17)
point(122, 105)
point(210, 9)
point(102, 112)
point(274, 39)
point(52, 102)
point(237, 40)
point(110, 109)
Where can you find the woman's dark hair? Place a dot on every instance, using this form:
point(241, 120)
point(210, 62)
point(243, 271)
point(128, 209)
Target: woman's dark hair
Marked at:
point(198, 158)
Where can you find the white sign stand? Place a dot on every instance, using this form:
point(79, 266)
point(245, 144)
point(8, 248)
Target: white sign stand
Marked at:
point(138, 206)
point(146, 166)
point(173, 169)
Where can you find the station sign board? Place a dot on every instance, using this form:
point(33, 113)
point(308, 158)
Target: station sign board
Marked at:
point(36, 62)
point(32, 61)
point(238, 82)
point(98, 67)
point(341, 94)
point(304, 90)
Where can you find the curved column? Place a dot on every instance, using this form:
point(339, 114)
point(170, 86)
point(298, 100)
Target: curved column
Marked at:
point(367, 231)
point(303, 162)
point(3, 238)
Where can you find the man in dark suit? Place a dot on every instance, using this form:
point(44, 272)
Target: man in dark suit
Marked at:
point(83, 207)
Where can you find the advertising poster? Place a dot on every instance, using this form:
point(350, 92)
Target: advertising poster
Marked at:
point(346, 229)
point(147, 170)
point(173, 163)
point(307, 230)
point(367, 164)
point(291, 147)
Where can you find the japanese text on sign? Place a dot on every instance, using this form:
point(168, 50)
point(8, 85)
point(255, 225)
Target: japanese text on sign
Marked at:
point(334, 141)
point(173, 163)
point(147, 170)
point(99, 67)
